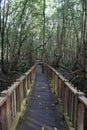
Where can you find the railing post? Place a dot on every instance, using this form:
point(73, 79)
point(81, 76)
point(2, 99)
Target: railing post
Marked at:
point(51, 76)
point(15, 102)
point(75, 112)
point(12, 105)
point(62, 91)
point(59, 87)
point(32, 75)
point(25, 87)
point(30, 78)
point(80, 113)
point(69, 103)
point(20, 94)
point(53, 81)
point(65, 99)
point(18, 98)
point(21, 91)
point(55, 84)
point(28, 81)
point(72, 107)
point(6, 112)
point(80, 116)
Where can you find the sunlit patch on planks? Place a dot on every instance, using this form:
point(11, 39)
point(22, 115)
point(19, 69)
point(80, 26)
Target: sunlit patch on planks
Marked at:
point(44, 128)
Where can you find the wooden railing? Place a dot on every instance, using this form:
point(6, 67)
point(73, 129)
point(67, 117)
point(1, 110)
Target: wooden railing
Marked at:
point(73, 100)
point(11, 100)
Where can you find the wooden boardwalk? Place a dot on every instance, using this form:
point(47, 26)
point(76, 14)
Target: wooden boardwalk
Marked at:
point(41, 112)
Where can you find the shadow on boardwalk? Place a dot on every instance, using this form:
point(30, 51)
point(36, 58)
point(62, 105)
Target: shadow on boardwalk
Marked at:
point(41, 109)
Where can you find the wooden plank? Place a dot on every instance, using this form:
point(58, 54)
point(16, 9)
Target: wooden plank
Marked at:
point(83, 99)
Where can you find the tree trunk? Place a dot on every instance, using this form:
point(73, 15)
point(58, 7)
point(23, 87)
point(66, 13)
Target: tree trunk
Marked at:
point(2, 37)
point(44, 20)
point(85, 39)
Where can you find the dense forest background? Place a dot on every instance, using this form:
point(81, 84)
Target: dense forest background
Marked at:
point(53, 31)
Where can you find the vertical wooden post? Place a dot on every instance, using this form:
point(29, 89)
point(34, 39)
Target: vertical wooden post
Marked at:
point(15, 110)
point(12, 105)
point(51, 76)
point(32, 74)
point(53, 81)
point(25, 87)
point(18, 105)
point(21, 91)
point(75, 112)
point(51, 73)
point(69, 104)
point(56, 84)
point(28, 81)
point(18, 97)
point(80, 113)
point(80, 117)
point(59, 86)
point(72, 107)
point(65, 99)
point(6, 115)
point(62, 91)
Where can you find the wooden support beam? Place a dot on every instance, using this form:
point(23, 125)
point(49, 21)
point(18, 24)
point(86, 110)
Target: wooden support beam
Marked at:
point(6, 114)
point(80, 125)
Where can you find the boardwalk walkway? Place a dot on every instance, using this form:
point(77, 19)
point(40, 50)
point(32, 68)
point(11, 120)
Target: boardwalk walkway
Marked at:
point(41, 112)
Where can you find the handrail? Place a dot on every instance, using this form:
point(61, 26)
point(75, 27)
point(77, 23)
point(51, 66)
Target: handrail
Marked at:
point(11, 99)
point(73, 100)
point(83, 100)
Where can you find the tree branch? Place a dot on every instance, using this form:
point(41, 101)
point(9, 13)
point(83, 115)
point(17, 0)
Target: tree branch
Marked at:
point(40, 45)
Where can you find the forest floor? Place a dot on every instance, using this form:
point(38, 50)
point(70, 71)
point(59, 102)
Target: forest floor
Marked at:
point(7, 79)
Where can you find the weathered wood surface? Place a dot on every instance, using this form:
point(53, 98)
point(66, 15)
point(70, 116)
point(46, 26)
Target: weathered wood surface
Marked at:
point(41, 110)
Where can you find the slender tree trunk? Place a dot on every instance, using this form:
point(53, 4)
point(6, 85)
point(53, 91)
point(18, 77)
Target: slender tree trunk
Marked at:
point(44, 21)
point(7, 47)
point(58, 26)
point(85, 39)
point(2, 39)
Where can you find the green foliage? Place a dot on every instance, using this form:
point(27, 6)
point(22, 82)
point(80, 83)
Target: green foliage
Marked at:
point(22, 21)
point(23, 66)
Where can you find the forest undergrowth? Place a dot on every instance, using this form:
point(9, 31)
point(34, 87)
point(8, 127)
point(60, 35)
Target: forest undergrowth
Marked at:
point(75, 75)
point(9, 77)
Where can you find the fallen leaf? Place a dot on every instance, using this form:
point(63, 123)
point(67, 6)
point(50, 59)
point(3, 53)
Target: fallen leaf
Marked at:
point(38, 96)
point(42, 128)
point(53, 104)
point(46, 108)
point(40, 103)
